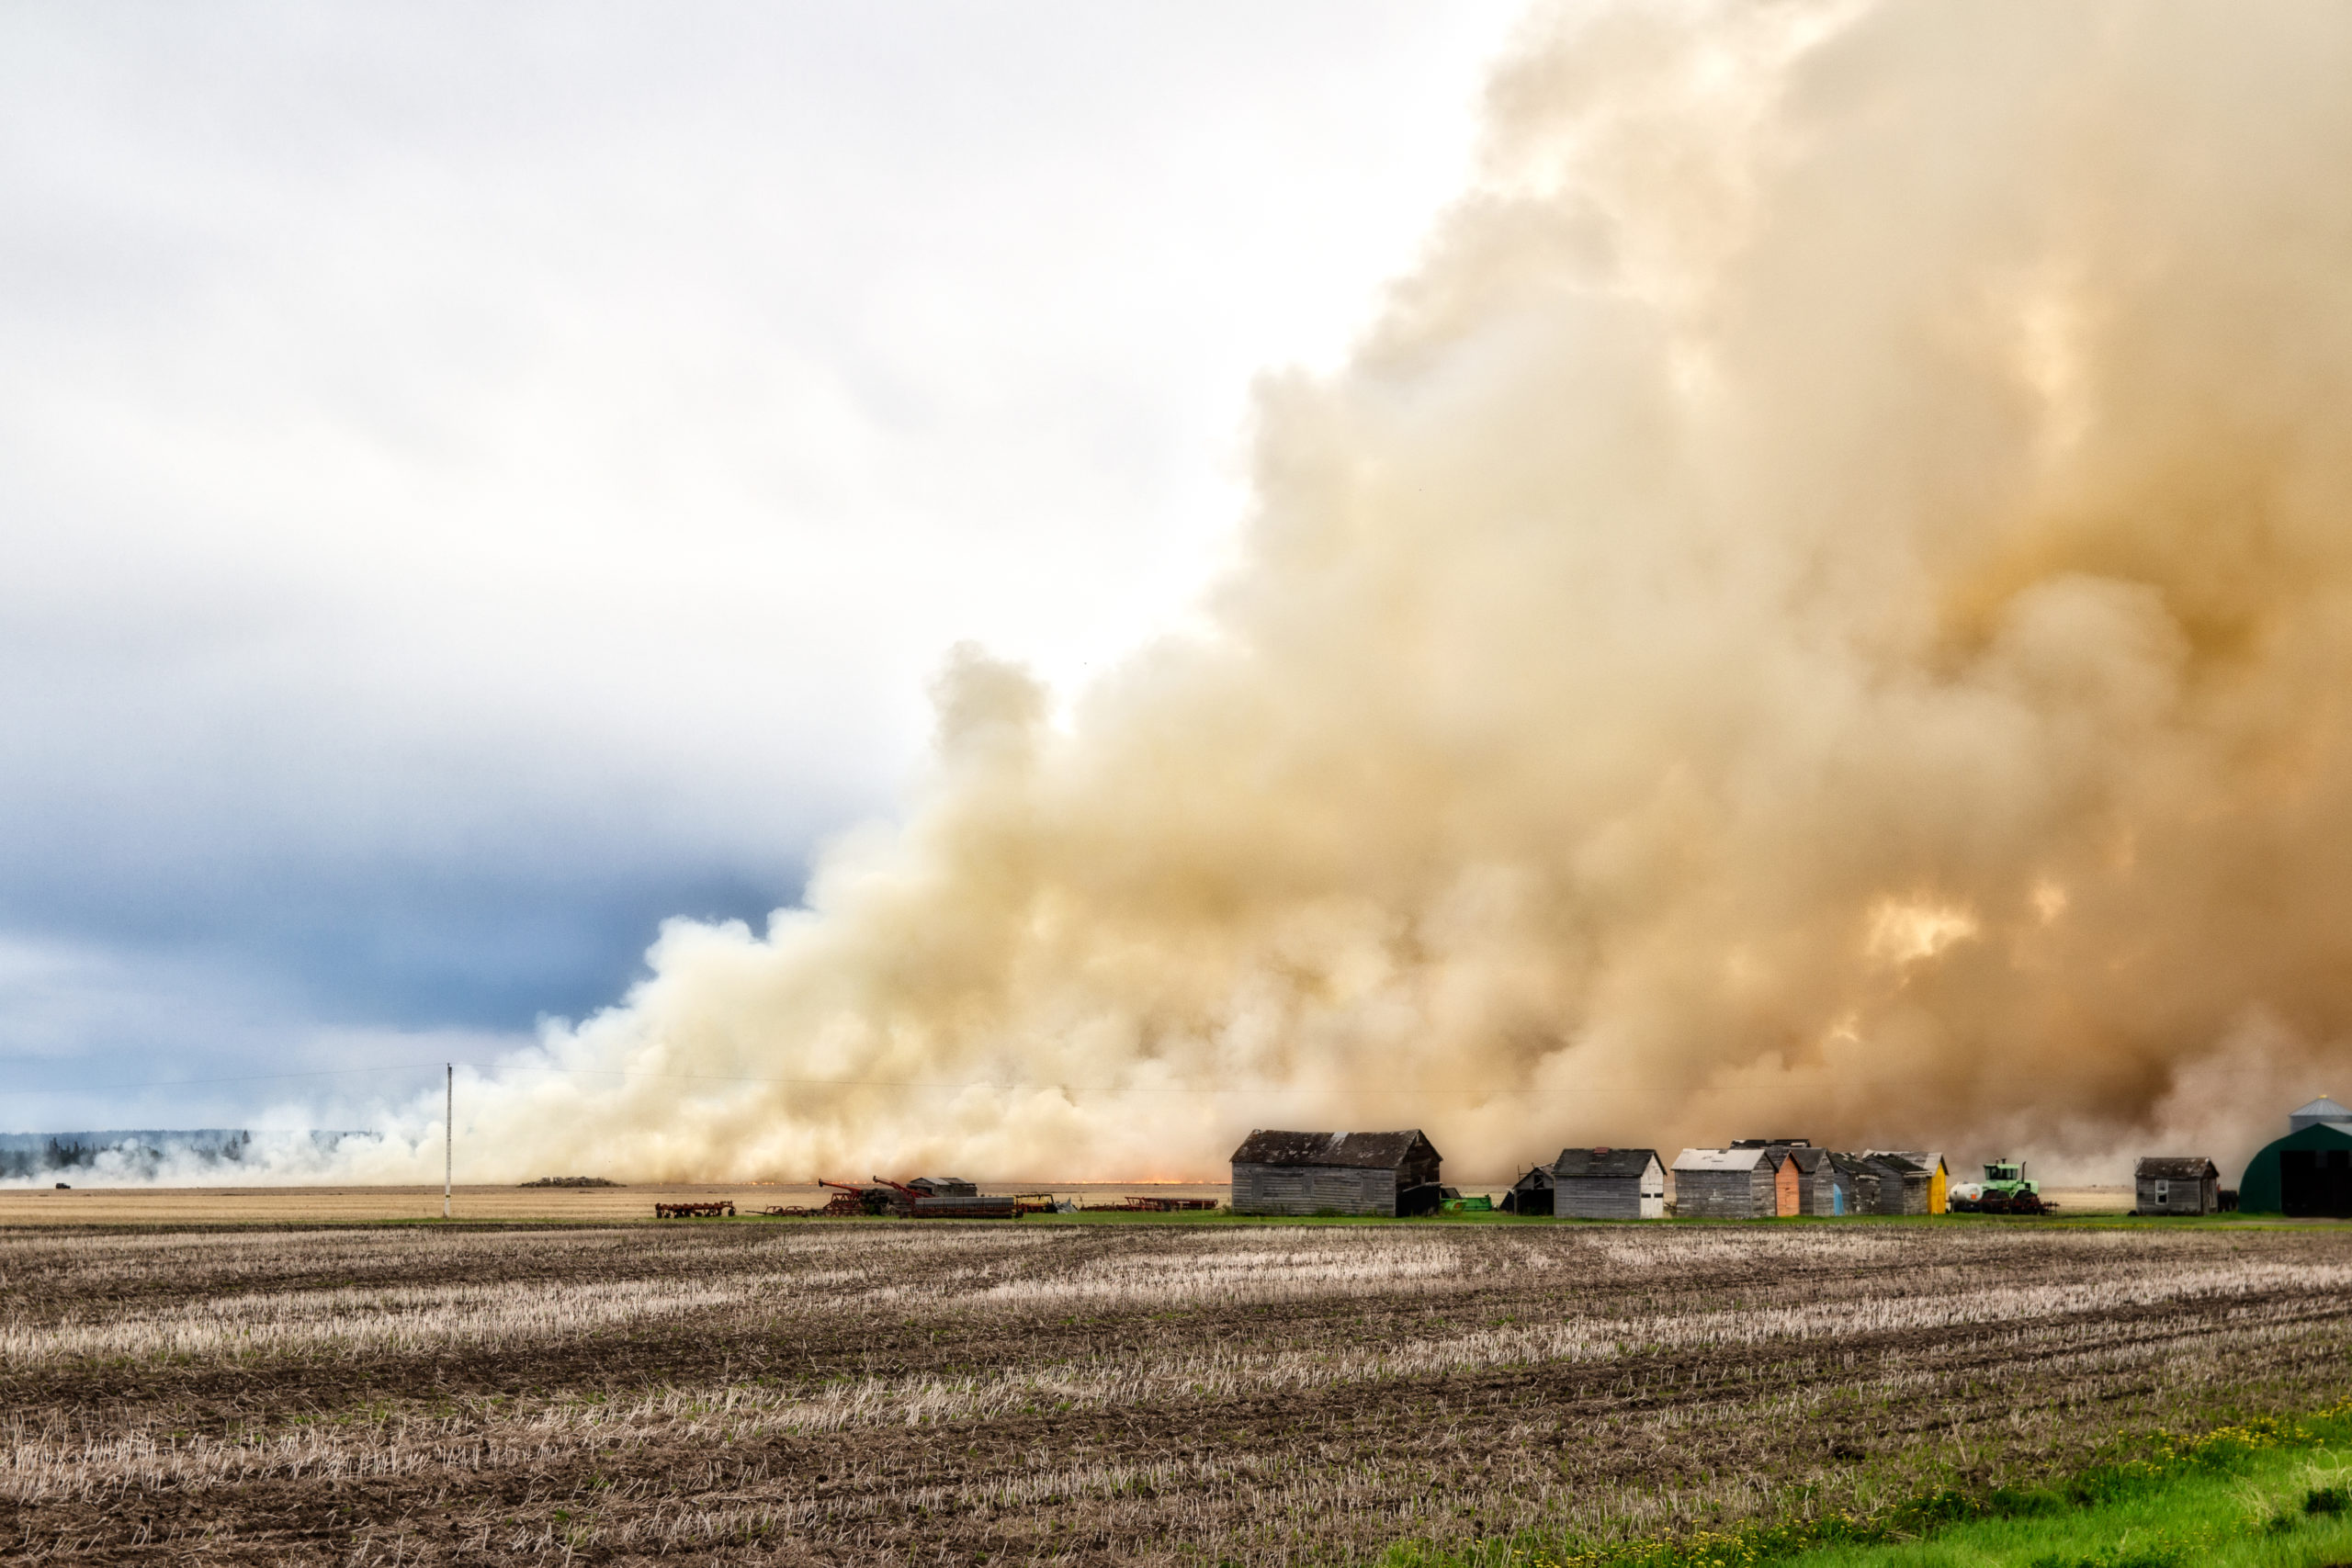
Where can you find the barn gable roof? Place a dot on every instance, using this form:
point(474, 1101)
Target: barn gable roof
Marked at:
point(1593, 1164)
point(1360, 1151)
point(1809, 1161)
point(1928, 1161)
point(2175, 1168)
point(1718, 1159)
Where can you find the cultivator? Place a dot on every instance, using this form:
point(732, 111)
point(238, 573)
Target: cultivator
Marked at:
point(693, 1211)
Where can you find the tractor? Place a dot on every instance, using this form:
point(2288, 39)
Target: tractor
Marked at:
point(2004, 1190)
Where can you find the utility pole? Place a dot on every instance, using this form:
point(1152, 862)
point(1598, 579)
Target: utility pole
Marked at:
point(448, 1132)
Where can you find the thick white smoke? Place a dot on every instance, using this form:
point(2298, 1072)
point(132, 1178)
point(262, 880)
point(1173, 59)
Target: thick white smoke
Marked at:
point(1824, 607)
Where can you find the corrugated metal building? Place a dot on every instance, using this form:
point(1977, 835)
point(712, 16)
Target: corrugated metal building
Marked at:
point(1335, 1173)
point(1608, 1184)
point(2172, 1184)
point(1724, 1184)
point(2319, 1113)
point(2309, 1171)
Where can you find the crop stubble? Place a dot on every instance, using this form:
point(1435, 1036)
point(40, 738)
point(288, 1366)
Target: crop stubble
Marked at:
point(885, 1393)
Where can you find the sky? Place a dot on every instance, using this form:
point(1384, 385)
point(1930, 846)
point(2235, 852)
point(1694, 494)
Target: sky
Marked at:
point(478, 481)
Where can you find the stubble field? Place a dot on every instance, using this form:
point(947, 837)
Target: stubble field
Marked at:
point(880, 1393)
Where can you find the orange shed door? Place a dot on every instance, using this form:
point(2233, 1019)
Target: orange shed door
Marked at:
point(1789, 1187)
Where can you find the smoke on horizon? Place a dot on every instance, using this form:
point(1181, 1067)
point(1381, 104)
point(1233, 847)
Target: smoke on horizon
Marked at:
point(1823, 606)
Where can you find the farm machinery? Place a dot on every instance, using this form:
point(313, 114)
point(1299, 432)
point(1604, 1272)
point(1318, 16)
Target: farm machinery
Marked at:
point(898, 1201)
point(882, 1198)
point(2004, 1190)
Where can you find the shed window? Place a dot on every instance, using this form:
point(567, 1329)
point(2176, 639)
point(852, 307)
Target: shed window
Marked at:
point(2163, 1190)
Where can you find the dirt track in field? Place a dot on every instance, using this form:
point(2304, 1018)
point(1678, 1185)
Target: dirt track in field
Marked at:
point(860, 1394)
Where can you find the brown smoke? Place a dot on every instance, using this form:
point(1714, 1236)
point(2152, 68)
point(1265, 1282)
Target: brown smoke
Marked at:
point(1823, 606)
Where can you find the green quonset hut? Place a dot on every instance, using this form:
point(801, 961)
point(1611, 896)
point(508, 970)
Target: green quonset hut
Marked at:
point(2309, 1171)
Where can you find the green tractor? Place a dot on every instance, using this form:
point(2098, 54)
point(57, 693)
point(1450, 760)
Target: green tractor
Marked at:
point(2004, 1190)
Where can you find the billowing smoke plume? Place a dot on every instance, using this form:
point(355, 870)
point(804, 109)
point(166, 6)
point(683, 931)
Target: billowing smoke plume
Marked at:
point(1823, 606)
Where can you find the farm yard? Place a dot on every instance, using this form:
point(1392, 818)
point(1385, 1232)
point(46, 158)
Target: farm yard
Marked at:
point(857, 1393)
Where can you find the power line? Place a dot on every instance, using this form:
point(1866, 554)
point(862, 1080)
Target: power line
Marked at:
point(1587, 1087)
point(241, 1077)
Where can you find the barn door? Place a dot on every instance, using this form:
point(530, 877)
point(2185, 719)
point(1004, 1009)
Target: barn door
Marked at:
point(2316, 1183)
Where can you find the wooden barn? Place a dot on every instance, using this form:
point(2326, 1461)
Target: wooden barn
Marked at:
point(2171, 1184)
point(1608, 1184)
point(1531, 1194)
point(1725, 1184)
point(1335, 1173)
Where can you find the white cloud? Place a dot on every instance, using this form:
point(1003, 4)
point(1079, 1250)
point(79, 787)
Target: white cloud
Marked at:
point(441, 443)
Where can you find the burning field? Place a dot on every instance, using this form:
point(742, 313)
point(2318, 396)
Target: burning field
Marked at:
point(1094, 1393)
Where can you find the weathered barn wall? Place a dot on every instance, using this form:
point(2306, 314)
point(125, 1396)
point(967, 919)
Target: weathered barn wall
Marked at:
point(1724, 1194)
point(1312, 1190)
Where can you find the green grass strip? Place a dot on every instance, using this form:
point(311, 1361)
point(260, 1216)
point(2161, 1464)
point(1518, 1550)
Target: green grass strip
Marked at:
point(2267, 1494)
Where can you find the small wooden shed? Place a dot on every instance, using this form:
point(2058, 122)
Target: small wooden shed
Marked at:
point(1608, 1184)
point(1531, 1194)
point(1825, 1187)
point(1725, 1184)
point(1889, 1184)
point(2176, 1184)
point(1928, 1160)
point(1788, 1178)
point(1334, 1173)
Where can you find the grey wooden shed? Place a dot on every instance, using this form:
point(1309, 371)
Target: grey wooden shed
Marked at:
point(1608, 1184)
point(945, 1187)
point(1827, 1185)
point(1334, 1173)
point(1724, 1184)
point(1889, 1184)
point(1531, 1194)
point(2173, 1184)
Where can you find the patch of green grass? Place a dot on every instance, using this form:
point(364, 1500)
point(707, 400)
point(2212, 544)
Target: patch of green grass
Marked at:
point(2264, 1495)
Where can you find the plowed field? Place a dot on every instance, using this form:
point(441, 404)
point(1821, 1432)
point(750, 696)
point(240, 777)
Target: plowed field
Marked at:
point(882, 1392)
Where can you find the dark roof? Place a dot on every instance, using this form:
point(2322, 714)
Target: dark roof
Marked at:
point(1366, 1150)
point(1809, 1159)
point(1895, 1163)
point(2177, 1168)
point(1574, 1163)
point(1771, 1142)
point(1849, 1164)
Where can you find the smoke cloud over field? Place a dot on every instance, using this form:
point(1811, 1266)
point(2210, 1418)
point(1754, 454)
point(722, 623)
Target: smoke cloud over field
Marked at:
point(1823, 606)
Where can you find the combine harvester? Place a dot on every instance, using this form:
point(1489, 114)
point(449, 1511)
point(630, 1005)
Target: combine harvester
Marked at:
point(2004, 1190)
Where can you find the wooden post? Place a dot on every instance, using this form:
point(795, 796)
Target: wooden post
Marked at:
point(448, 1131)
